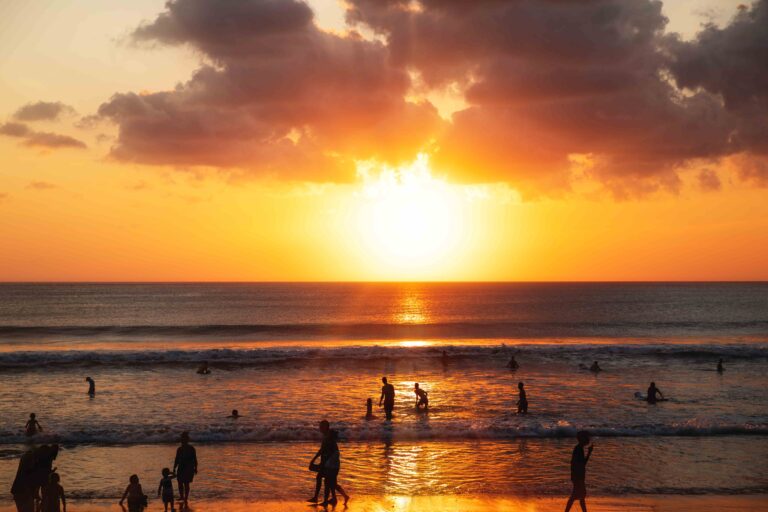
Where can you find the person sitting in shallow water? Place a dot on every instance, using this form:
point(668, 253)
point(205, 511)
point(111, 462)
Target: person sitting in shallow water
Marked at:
point(421, 397)
point(234, 414)
point(203, 369)
point(512, 364)
point(652, 392)
point(595, 367)
point(32, 426)
point(720, 368)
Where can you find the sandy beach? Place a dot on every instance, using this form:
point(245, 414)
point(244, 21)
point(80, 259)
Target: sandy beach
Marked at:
point(467, 504)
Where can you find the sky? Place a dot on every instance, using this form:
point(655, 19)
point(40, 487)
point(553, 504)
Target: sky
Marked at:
point(283, 140)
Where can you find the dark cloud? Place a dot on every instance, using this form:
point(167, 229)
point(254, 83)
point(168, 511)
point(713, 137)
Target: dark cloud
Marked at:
point(709, 180)
point(281, 97)
point(41, 185)
point(545, 82)
point(39, 139)
point(42, 111)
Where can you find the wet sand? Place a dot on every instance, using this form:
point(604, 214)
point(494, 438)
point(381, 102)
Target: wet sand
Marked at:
point(750, 503)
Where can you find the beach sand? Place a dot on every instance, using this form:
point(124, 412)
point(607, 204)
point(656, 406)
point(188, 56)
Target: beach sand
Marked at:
point(649, 503)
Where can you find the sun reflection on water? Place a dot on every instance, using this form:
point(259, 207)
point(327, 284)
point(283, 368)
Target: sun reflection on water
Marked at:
point(412, 310)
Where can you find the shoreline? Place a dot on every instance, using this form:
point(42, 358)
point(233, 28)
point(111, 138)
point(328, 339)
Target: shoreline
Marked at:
point(450, 503)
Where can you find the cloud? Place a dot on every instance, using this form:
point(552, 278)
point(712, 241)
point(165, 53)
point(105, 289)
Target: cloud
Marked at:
point(280, 97)
point(41, 185)
point(543, 82)
point(39, 139)
point(42, 111)
point(709, 180)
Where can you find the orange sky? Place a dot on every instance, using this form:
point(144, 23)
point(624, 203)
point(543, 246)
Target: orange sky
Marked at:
point(297, 150)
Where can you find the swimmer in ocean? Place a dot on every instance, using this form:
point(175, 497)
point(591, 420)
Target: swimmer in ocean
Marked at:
point(652, 392)
point(512, 364)
point(595, 367)
point(234, 414)
point(32, 426)
point(421, 397)
point(203, 369)
point(91, 386)
point(720, 368)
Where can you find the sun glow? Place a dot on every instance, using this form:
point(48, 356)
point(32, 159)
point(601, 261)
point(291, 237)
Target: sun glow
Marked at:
point(409, 220)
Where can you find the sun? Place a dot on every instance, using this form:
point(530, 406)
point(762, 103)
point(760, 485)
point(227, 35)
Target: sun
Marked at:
point(408, 219)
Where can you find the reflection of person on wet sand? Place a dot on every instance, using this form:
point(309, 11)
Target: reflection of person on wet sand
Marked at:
point(32, 426)
point(579, 471)
point(512, 364)
point(421, 397)
point(203, 369)
point(369, 409)
point(652, 391)
point(522, 403)
point(388, 397)
point(91, 386)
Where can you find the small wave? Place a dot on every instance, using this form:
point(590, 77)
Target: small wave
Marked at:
point(375, 431)
point(228, 357)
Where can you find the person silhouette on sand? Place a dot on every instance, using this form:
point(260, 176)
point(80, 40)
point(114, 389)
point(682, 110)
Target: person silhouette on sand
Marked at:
point(185, 467)
point(388, 397)
point(421, 397)
point(579, 471)
point(24, 489)
point(522, 403)
point(652, 392)
point(32, 426)
point(165, 489)
point(328, 470)
point(53, 495)
point(135, 495)
point(91, 386)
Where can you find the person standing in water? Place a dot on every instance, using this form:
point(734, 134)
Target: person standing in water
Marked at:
point(421, 397)
point(91, 386)
point(652, 392)
point(579, 471)
point(134, 494)
point(720, 368)
point(388, 397)
point(522, 403)
point(330, 464)
point(512, 364)
point(165, 489)
point(595, 368)
point(234, 414)
point(185, 467)
point(53, 495)
point(32, 426)
point(203, 368)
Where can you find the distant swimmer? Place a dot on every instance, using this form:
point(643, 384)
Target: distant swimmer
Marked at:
point(234, 414)
point(91, 386)
point(421, 397)
point(32, 426)
point(512, 364)
point(369, 409)
point(522, 403)
point(595, 367)
point(203, 369)
point(720, 368)
point(388, 397)
point(652, 392)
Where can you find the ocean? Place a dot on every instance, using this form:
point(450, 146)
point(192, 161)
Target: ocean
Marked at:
point(289, 355)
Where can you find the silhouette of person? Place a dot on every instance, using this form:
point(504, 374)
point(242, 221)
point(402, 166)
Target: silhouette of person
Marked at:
point(53, 495)
point(330, 463)
point(522, 403)
point(234, 414)
point(32, 426)
point(388, 397)
point(512, 364)
point(91, 386)
point(579, 471)
point(165, 489)
point(185, 467)
point(595, 367)
point(24, 489)
point(652, 392)
point(44, 456)
point(421, 397)
point(134, 494)
point(203, 368)
point(720, 368)
point(369, 409)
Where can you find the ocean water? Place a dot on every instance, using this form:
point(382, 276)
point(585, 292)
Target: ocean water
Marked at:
point(288, 355)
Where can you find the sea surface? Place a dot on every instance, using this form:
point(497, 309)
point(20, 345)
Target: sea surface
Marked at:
point(288, 355)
